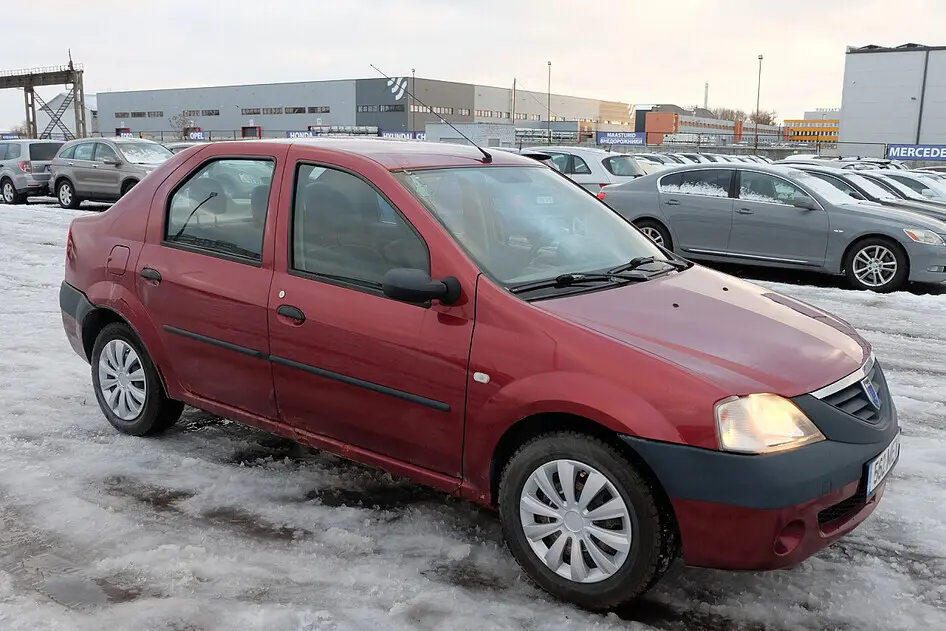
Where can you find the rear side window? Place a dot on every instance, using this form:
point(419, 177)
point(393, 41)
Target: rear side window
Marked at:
point(705, 182)
point(84, 151)
point(3, 151)
point(10, 151)
point(221, 208)
point(580, 167)
point(344, 229)
point(69, 153)
point(44, 151)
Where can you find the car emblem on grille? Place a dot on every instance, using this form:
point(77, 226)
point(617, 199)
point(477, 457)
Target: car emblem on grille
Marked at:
point(871, 392)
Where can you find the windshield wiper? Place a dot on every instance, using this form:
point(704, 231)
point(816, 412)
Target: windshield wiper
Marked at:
point(568, 280)
point(641, 261)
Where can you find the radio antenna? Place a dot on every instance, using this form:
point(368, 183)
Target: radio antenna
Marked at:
point(487, 158)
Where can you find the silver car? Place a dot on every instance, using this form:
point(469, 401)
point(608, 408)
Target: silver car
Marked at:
point(782, 217)
point(24, 168)
point(593, 168)
point(102, 169)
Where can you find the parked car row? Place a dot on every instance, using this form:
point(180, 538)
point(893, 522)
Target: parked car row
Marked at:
point(617, 405)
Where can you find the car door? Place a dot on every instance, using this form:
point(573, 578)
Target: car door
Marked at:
point(107, 177)
point(699, 208)
point(204, 275)
point(79, 168)
point(349, 363)
point(768, 227)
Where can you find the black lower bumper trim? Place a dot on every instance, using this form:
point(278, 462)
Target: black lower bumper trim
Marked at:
point(74, 303)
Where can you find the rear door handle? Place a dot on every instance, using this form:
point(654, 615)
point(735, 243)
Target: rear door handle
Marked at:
point(293, 313)
point(745, 211)
point(150, 274)
point(672, 202)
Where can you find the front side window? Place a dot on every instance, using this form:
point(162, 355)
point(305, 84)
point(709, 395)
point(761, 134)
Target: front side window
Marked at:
point(145, 152)
point(705, 182)
point(521, 224)
point(765, 188)
point(344, 229)
point(84, 151)
point(104, 152)
point(5, 153)
point(622, 166)
point(214, 211)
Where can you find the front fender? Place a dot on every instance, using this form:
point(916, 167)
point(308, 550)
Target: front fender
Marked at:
point(605, 402)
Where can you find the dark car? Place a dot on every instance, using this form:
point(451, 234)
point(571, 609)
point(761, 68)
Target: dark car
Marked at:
point(617, 405)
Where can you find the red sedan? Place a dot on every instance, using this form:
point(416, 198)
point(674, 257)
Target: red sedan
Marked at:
point(482, 325)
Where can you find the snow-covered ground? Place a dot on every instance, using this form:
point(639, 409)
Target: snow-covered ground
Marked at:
point(215, 526)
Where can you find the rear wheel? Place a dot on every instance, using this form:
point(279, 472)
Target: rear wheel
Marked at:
point(8, 193)
point(127, 385)
point(67, 195)
point(877, 264)
point(656, 232)
point(583, 524)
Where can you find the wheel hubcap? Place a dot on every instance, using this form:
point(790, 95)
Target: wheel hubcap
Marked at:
point(122, 380)
point(8, 192)
point(653, 234)
point(575, 521)
point(65, 195)
point(875, 265)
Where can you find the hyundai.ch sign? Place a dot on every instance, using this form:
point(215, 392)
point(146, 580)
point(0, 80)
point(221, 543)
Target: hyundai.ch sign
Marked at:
point(629, 138)
point(404, 135)
point(916, 152)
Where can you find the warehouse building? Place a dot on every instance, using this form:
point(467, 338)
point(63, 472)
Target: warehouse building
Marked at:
point(892, 96)
point(400, 106)
point(819, 125)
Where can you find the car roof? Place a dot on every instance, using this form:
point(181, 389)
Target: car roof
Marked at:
point(23, 141)
point(774, 169)
point(818, 168)
point(588, 151)
point(399, 154)
point(116, 139)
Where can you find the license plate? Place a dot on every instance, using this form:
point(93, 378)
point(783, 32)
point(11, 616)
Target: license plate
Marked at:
point(879, 467)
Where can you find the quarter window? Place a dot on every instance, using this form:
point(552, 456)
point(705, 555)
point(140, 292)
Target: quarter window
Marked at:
point(765, 188)
point(705, 182)
point(343, 229)
point(222, 208)
point(580, 167)
point(560, 160)
point(69, 153)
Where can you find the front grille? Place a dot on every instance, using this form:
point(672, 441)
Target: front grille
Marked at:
point(842, 509)
point(855, 401)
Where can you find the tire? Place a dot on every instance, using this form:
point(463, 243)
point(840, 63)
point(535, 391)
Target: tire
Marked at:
point(66, 194)
point(656, 232)
point(877, 251)
point(127, 186)
point(147, 410)
point(8, 193)
point(652, 542)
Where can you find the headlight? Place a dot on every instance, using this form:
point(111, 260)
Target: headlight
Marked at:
point(924, 236)
point(762, 424)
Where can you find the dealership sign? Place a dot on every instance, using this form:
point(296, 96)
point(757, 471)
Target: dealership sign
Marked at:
point(195, 135)
point(9, 136)
point(916, 152)
point(638, 138)
point(404, 135)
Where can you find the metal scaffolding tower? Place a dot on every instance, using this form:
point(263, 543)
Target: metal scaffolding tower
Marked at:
point(70, 76)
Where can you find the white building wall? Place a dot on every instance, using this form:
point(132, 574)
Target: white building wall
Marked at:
point(933, 126)
point(532, 105)
point(68, 117)
point(483, 134)
point(880, 101)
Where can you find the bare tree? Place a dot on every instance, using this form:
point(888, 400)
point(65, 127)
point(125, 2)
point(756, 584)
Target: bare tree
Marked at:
point(20, 129)
point(179, 124)
point(764, 117)
point(728, 113)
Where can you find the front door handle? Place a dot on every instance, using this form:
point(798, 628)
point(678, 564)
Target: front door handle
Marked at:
point(293, 313)
point(672, 202)
point(150, 274)
point(745, 211)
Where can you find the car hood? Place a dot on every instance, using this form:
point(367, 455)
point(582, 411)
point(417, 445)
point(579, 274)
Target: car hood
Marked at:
point(740, 336)
point(911, 218)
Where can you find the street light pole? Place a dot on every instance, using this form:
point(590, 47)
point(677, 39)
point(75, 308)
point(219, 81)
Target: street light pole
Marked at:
point(550, 103)
point(413, 79)
point(758, 96)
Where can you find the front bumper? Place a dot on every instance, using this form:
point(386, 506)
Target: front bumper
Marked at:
point(75, 306)
point(738, 512)
point(927, 263)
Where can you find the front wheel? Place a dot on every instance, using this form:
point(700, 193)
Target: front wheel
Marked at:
point(127, 385)
point(67, 195)
point(583, 524)
point(877, 264)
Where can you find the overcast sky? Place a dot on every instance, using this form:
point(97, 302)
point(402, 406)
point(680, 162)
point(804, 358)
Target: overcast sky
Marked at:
point(636, 51)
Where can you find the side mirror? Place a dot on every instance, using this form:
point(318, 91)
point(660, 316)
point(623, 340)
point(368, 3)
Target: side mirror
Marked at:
point(112, 161)
point(805, 202)
point(416, 286)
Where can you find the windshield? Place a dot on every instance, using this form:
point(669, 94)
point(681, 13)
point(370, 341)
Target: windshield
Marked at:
point(918, 184)
point(935, 183)
point(624, 166)
point(144, 152)
point(829, 191)
point(904, 190)
point(872, 189)
point(523, 224)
